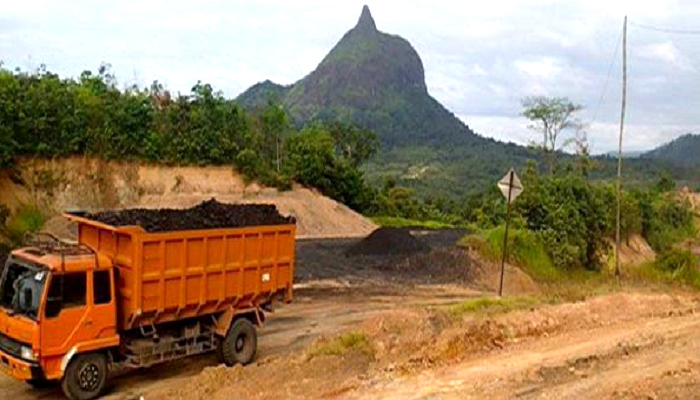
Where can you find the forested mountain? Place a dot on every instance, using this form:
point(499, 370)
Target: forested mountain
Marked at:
point(376, 80)
point(373, 79)
point(684, 151)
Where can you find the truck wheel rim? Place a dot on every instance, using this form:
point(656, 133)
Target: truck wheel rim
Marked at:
point(240, 343)
point(89, 377)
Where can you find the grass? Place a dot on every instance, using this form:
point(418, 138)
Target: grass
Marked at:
point(492, 304)
point(571, 287)
point(525, 249)
point(399, 222)
point(346, 342)
point(673, 266)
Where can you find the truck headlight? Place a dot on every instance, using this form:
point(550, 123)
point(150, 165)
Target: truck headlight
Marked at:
point(27, 353)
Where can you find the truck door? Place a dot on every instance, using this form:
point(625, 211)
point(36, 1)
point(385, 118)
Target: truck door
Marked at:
point(73, 314)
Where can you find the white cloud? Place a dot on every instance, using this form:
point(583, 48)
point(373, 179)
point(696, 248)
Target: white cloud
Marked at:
point(668, 53)
point(480, 58)
point(542, 68)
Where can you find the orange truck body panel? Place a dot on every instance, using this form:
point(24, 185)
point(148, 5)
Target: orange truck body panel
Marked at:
point(168, 276)
point(24, 330)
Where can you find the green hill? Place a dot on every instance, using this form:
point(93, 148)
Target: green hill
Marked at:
point(258, 95)
point(684, 150)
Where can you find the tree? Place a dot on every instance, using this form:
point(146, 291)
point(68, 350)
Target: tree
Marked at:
point(665, 183)
point(551, 116)
point(275, 126)
point(584, 163)
point(352, 143)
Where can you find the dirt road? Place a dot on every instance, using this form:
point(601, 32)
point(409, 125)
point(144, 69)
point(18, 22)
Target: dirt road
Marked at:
point(650, 351)
point(651, 357)
point(320, 308)
point(630, 345)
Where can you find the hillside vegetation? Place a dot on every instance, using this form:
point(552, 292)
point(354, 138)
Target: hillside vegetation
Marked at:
point(376, 80)
point(684, 150)
point(44, 115)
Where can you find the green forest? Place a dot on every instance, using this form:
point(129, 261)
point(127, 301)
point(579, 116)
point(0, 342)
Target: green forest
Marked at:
point(564, 210)
point(44, 115)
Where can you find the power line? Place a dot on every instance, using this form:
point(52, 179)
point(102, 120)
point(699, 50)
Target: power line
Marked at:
point(607, 79)
point(666, 30)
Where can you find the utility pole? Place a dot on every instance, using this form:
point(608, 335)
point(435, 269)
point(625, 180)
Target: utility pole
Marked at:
point(619, 151)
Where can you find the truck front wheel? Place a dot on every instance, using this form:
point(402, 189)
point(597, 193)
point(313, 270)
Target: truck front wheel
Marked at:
point(240, 344)
point(86, 377)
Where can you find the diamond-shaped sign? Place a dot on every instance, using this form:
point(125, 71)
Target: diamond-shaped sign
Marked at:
point(510, 185)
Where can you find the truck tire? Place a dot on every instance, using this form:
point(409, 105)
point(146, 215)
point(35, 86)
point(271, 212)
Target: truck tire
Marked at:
point(86, 377)
point(240, 343)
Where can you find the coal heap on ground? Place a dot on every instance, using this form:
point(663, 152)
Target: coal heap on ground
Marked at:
point(209, 214)
point(388, 241)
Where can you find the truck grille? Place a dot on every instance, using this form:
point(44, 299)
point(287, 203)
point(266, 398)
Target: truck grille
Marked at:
point(10, 346)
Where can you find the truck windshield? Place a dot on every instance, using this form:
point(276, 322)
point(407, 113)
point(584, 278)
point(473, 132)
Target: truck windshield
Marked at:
point(21, 286)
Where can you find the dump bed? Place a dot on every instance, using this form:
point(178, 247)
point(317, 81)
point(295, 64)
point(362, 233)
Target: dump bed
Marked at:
point(167, 276)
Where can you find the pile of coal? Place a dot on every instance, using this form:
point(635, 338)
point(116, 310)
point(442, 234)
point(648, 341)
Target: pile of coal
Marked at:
point(209, 214)
point(388, 241)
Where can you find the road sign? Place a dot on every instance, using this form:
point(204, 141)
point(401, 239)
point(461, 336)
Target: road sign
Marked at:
point(510, 185)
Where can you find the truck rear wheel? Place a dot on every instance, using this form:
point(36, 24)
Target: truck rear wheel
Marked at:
point(86, 377)
point(240, 344)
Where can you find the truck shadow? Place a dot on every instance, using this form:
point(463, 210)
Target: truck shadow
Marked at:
point(130, 384)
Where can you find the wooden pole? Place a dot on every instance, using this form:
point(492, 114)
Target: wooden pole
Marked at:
point(619, 151)
point(505, 236)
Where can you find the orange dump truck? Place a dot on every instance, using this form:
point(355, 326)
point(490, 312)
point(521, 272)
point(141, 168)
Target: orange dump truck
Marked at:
point(125, 297)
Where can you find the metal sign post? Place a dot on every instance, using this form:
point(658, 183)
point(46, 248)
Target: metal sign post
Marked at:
point(510, 187)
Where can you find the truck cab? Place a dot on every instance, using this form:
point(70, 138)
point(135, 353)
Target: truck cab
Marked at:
point(57, 303)
point(122, 296)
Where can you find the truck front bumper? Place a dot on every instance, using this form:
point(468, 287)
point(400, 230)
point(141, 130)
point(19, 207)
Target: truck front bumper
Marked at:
point(20, 369)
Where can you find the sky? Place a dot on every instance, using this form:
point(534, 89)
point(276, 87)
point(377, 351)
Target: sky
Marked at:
point(480, 58)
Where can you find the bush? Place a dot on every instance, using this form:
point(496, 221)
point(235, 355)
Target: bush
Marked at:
point(678, 265)
point(27, 219)
point(525, 249)
point(571, 217)
point(666, 219)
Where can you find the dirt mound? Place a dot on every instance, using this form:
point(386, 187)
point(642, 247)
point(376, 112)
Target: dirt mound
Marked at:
point(388, 241)
point(83, 183)
point(206, 215)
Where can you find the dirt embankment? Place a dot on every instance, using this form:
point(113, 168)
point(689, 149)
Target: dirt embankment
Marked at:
point(550, 351)
point(93, 185)
point(635, 251)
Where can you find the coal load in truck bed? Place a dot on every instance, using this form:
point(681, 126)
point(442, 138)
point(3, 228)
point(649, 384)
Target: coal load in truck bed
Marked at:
point(209, 214)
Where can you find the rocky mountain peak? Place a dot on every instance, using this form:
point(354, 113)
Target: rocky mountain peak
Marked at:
point(366, 22)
